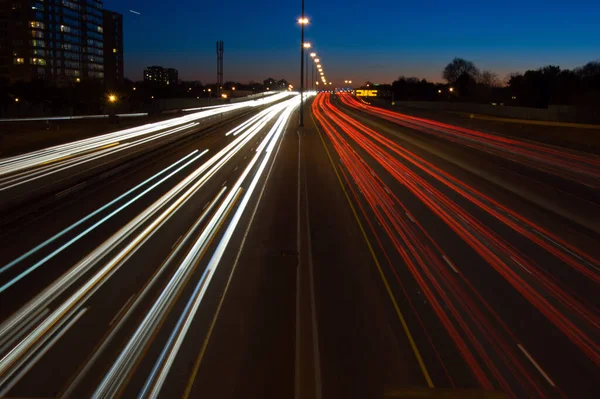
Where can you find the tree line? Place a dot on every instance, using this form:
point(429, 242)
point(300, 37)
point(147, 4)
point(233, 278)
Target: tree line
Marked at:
point(534, 88)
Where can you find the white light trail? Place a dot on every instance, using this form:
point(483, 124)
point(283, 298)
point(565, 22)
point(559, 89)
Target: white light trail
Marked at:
point(175, 198)
point(162, 366)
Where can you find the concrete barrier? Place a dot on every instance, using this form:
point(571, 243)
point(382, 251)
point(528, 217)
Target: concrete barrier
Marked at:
point(554, 113)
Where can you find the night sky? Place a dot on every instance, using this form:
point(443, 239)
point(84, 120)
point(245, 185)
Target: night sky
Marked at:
point(361, 40)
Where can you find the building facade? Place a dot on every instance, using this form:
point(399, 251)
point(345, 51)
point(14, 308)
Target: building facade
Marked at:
point(55, 40)
point(113, 49)
point(161, 76)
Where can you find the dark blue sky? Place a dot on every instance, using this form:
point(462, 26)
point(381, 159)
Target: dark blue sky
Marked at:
point(375, 40)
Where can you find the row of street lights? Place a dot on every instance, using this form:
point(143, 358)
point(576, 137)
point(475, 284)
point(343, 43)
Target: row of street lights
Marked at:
point(304, 61)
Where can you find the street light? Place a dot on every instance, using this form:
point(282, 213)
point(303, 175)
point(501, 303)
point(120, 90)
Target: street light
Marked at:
point(317, 60)
point(303, 21)
point(307, 45)
point(233, 88)
point(439, 91)
point(313, 55)
point(451, 89)
point(17, 99)
point(112, 98)
point(134, 89)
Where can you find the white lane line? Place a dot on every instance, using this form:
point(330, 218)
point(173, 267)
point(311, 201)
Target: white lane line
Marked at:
point(122, 309)
point(179, 239)
point(512, 217)
point(223, 183)
point(70, 189)
point(387, 190)
point(413, 220)
point(236, 168)
point(450, 264)
point(537, 366)
point(520, 264)
point(205, 205)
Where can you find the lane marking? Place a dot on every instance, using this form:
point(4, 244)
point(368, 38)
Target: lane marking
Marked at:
point(379, 268)
point(410, 217)
point(519, 263)
point(70, 189)
point(236, 168)
point(450, 264)
point(123, 308)
point(537, 366)
point(179, 239)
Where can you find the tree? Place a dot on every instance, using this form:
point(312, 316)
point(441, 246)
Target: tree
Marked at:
point(488, 78)
point(458, 67)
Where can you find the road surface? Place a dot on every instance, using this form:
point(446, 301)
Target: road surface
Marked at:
point(228, 253)
point(497, 280)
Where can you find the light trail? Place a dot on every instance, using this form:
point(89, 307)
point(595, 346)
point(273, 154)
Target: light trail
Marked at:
point(570, 165)
point(156, 379)
point(113, 382)
point(66, 155)
point(128, 240)
point(98, 223)
point(485, 343)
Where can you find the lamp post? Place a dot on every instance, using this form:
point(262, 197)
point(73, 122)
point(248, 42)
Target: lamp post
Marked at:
point(303, 21)
point(306, 47)
point(312, 77)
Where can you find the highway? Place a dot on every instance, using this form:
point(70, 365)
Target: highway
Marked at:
point(496, 281)
point(228, 253)
point(117, 249)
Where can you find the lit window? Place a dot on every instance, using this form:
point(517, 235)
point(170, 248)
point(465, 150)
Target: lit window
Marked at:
point(19, 61)
point(37, 24)
point(37, 61)
point(114, 50)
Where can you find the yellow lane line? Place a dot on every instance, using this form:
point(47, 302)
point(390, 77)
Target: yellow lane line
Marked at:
point(379, 268)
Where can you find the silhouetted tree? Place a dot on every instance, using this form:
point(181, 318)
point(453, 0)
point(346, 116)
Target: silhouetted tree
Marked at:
point(411, 88)
point(457, 68)
point(466, 86)
point(488, 78)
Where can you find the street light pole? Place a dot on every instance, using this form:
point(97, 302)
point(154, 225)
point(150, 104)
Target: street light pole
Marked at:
point(301, 124)
point(306, 66)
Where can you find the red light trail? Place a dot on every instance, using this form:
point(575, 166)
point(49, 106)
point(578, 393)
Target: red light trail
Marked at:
point(487, 344)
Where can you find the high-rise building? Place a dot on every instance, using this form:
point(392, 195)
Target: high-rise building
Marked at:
point(56, 40)
point(113, 49)
point(161, 76)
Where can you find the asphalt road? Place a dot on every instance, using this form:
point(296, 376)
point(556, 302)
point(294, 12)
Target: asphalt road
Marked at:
point(326, 261)
point(496, 279)
point(145, 268)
